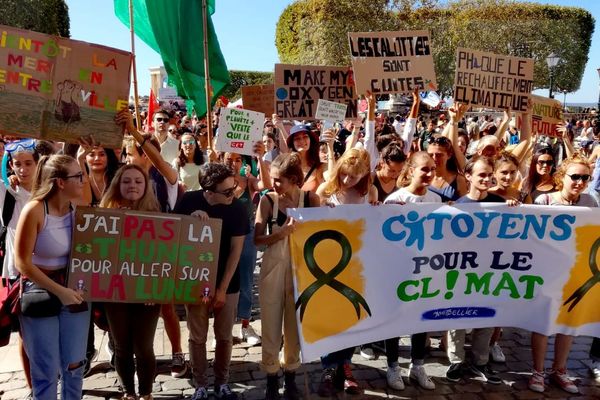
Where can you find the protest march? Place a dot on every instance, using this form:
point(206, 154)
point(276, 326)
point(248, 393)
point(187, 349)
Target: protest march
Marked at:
point(335, 213)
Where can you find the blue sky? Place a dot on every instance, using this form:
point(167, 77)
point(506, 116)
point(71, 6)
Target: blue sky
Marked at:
point(246, 30)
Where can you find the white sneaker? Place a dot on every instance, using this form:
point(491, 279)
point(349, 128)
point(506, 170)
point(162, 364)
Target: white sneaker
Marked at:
point(497, 354)
point(250, 336)
point(394, 377)
point(367, 353)
point(595, 368)
point(418, 373)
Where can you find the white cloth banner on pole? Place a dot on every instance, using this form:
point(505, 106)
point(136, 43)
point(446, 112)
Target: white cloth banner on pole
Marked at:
point(366, 273)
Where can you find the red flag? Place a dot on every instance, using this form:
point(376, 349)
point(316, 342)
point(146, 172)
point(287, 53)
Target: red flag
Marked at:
point(152, 107)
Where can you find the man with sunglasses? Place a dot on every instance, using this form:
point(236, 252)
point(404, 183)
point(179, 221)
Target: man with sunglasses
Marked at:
point(169, 146)
point(217, 200)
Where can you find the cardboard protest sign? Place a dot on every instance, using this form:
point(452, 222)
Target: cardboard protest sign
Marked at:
point(331, 111)
point(392, 62)
point(546, 115)
point(239, 130)
point(299, 87)
point(60, 89)
point(259, 98)
point(136, 257)
point(463, 266)
point(492, 80)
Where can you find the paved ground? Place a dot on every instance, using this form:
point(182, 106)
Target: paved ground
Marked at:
point(249, 381)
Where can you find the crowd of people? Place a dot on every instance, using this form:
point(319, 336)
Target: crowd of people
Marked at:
point(172, 166)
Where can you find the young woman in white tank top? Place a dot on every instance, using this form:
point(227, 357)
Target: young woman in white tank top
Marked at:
point(56, 345)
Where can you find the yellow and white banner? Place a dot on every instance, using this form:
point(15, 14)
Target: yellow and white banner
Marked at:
point(366, 273)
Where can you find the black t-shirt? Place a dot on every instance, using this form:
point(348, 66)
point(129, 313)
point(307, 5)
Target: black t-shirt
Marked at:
point(235, 223)
point(490, 198)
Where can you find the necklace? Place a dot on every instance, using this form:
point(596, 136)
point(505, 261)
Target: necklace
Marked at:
point(566, 201)
point(96, 184)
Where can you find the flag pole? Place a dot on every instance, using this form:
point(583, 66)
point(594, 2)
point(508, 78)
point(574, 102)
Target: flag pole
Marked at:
point(134, 70)
point(209, 127)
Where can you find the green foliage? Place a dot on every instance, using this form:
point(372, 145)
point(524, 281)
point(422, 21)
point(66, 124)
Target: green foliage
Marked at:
point(233, 91)
point(315, 32)
point(46, 16)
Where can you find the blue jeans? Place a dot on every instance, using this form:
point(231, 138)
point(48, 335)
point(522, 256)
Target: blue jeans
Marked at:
point(246, 266)
point(337, 358)
point(52, 344)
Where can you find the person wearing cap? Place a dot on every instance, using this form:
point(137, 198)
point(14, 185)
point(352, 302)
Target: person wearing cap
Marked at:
point(304, 142)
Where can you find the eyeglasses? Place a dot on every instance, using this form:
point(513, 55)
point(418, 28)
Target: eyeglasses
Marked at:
point(227, 192)
point(25, 145)
point(78, 175)
point(440, 140)
point(578, 177)
point(548, 163)
point(160, 119)
point(188, 142)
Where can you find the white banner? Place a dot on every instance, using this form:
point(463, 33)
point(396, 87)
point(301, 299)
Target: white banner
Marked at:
point(365, 273)
point(239, 130)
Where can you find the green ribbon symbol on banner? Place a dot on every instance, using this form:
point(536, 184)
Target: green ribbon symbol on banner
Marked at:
point(582, 291)
point(328, 279)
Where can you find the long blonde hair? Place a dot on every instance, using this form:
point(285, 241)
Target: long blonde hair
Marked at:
point(49, 169)
point(113, 198)
point(353, 162)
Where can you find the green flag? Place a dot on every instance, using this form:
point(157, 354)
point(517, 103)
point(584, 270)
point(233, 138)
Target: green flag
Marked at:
point(174, 29)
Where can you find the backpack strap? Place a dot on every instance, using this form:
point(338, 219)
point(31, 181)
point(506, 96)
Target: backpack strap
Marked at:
point(301, 199)
point(310, 171)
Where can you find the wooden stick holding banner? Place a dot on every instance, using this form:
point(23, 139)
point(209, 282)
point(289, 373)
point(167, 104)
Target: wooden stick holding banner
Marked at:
point(138, 120)
point(209, 125)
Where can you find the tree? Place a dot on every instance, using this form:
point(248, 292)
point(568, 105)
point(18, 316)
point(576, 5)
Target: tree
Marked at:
point(245, 78)
point(46, 16)
point(315, 32)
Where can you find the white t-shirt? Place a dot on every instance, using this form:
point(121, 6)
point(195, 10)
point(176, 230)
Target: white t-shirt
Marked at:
point(403, 195)
point(21, 198)
point(169, 149)
point(188, 174)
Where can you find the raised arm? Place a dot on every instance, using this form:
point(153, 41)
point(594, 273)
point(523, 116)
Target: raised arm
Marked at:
point(411, 123)
point(503, 125)
point(124, 118)
point(278, 123)
point(456, 112)
point(525, 143)
point(369, 142)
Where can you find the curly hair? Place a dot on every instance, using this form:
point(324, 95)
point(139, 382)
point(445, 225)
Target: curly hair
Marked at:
point(560, 173)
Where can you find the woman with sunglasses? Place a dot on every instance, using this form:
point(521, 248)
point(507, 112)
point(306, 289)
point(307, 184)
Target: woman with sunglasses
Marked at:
point(539, 178)
point(189, 161)
point(447, 183)
point(570, 179)
point(133, 325)
point(55, 343)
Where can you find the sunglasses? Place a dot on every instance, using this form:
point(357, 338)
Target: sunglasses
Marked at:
point(188, 142)
point(545, 162)
point(440, 140)
point(25, 145)
point(79, 175)
point(577, 177)
point(160, 119)
point(227, 192)
point(172, 130)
